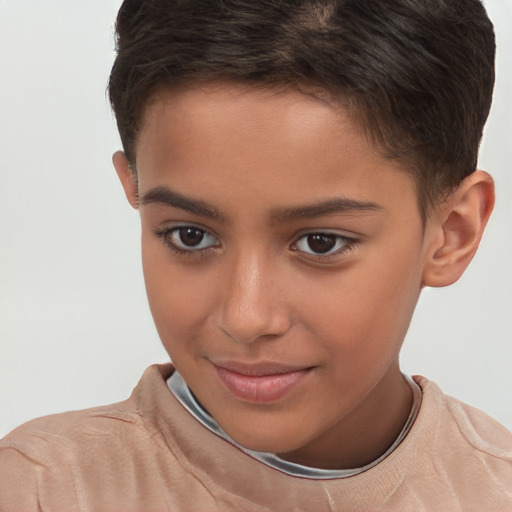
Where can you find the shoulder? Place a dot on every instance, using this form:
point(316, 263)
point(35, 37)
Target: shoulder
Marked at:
point(75, 431)
point(473, 426)
point(469, 452)
point(61, 454)
point(58, 432)
point(52, 453)
point(480, 430)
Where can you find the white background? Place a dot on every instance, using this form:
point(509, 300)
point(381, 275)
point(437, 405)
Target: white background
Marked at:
point(75, 329)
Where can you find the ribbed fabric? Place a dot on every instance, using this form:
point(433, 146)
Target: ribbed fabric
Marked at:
point(149, 454)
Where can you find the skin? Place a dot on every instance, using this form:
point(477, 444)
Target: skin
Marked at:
point(251, 163)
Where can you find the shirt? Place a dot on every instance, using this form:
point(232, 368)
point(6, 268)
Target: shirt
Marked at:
point(148, 453)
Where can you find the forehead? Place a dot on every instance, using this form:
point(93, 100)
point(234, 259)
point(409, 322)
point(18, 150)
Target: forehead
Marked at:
point(282, 145)
point(242, 111)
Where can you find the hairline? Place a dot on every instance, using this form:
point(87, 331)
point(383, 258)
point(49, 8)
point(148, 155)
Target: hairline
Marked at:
point(340, 100)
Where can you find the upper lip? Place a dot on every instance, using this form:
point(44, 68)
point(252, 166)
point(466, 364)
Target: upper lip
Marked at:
point(258, 369)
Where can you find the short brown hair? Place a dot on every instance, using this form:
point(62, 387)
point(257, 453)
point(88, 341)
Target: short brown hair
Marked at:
point(418, 74)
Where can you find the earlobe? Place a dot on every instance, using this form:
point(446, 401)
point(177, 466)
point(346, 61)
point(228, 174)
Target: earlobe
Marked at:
point(458, 229)
point(128, 180)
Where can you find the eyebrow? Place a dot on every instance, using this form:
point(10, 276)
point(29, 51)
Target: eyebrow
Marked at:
point(328, 207)
point(167, 197)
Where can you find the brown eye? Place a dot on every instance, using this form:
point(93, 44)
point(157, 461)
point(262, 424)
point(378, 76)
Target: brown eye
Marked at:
point(190, 236)
point(188, 239)
point(321, 243)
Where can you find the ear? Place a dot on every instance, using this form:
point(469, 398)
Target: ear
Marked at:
point(127, 178)
point(456, 228)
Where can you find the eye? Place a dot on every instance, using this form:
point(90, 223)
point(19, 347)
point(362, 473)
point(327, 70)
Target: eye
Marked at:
point(323, 244)
point(188, 239)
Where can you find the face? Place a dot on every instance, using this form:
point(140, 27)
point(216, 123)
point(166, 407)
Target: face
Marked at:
point(283, 260)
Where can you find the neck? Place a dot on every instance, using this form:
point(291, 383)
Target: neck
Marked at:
point(366, 432)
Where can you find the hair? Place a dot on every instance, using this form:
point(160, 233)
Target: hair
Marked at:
point(416, 75)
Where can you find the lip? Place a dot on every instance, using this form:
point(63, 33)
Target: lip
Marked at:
point(259, 383)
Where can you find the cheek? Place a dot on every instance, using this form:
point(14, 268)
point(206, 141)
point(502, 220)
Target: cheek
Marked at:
point(363, 314)
point(179, 296)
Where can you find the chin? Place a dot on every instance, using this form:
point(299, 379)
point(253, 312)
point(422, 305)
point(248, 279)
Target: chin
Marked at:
point(266, 439)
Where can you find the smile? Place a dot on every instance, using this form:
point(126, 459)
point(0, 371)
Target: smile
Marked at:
point(259, 383)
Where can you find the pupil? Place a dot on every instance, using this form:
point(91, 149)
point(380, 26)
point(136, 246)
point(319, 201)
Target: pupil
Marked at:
point(321, 243)
point(191, 236)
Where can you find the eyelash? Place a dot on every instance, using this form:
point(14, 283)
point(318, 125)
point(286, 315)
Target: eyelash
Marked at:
point(166, 234)
point(348, 244)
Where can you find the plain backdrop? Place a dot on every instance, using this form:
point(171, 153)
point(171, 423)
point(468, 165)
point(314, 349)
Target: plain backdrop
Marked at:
point(75, 329)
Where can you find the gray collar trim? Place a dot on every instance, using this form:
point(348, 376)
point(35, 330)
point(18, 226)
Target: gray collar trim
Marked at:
point(182, 392)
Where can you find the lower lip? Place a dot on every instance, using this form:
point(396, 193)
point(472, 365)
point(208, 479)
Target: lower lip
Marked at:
point(260, 389)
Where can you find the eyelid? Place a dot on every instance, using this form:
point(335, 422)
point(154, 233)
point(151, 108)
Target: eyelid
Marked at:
point(165, 234)
point(348, 246)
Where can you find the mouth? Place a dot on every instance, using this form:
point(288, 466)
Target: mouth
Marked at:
point(260, 383)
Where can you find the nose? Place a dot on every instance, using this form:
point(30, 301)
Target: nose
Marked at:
point(252, 305)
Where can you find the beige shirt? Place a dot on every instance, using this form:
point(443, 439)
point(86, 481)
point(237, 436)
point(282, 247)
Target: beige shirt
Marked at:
point(149, 454)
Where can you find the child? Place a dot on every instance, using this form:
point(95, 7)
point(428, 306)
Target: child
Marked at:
point(302, 170)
